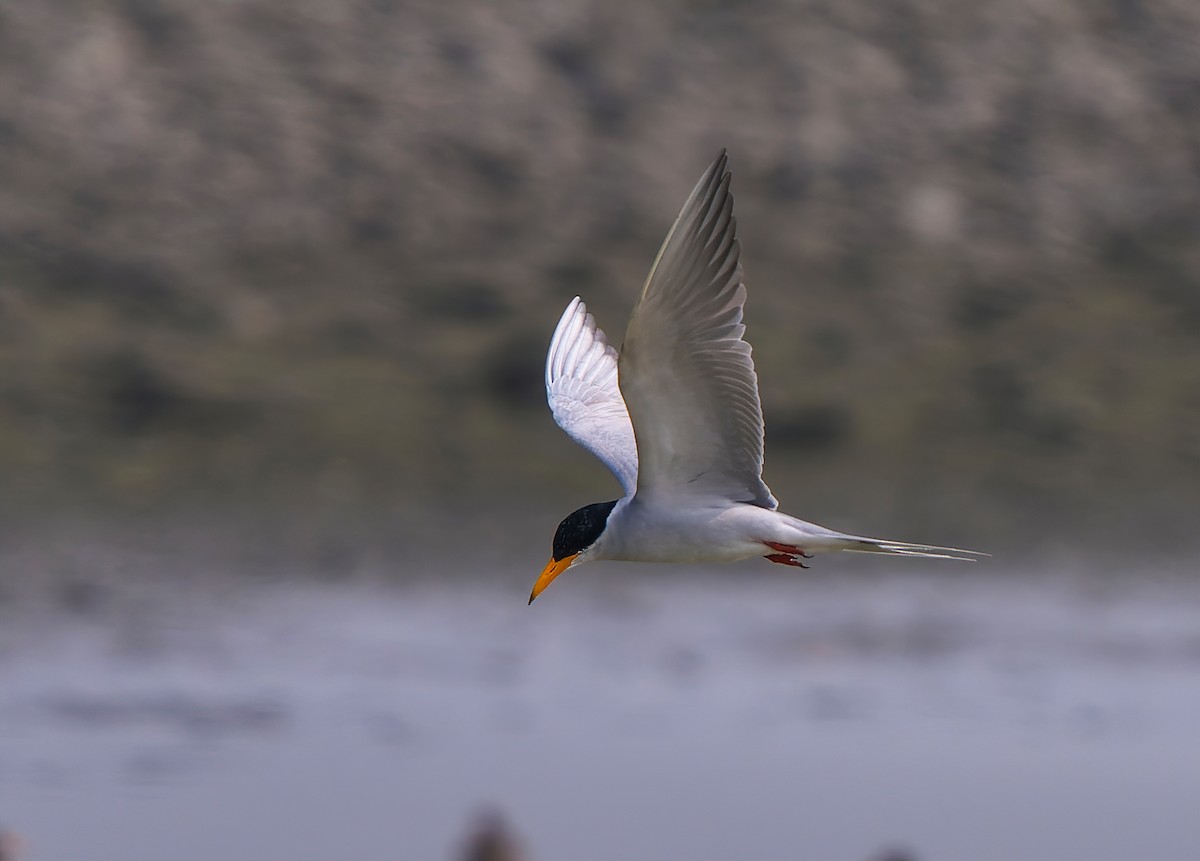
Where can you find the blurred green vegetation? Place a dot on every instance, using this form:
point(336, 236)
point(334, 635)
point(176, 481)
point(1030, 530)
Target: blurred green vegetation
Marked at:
point(305, 254)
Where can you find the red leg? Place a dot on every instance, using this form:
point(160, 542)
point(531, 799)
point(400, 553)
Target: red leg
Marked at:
point(785, 559)
point(789, 549)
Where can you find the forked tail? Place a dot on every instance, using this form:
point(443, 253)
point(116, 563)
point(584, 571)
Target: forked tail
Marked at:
point(813, 538)
point(903, 548)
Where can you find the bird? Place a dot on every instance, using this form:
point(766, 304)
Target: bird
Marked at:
point(676, 416)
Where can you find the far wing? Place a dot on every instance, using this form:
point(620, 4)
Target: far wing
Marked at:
point(686, 373)
point(581, 388)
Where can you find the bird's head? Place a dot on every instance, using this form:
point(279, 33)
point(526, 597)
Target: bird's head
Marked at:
point(576, 535)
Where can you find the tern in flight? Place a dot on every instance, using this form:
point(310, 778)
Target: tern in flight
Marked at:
point(676, 416)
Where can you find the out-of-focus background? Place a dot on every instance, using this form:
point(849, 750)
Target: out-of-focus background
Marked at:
point(276, 282)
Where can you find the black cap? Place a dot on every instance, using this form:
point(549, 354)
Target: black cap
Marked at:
point(580, 529)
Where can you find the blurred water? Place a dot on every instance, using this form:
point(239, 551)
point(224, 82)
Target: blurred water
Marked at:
point(741, 716)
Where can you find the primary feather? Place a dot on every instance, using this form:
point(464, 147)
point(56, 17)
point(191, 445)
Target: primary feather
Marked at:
point(686, 372)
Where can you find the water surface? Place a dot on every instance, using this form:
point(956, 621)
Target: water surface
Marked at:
point(747, 716)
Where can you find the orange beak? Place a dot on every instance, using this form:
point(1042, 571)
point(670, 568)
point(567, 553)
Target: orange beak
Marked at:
point(553, 569)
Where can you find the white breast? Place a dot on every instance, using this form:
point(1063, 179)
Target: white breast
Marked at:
point(647, 532)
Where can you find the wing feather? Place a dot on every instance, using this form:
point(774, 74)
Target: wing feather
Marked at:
point(685, 372)
point(584, 396)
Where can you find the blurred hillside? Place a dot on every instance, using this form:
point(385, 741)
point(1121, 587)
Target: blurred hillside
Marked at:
point(314, 251)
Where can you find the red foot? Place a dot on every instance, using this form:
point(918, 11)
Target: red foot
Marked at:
point(789, 549)
point(785, 559)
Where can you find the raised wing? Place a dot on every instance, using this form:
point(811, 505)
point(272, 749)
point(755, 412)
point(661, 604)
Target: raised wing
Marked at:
point(686, 373)
point(581, 387)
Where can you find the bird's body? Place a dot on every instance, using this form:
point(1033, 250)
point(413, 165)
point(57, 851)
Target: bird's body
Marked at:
point(676, 416)
point(703, 530)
